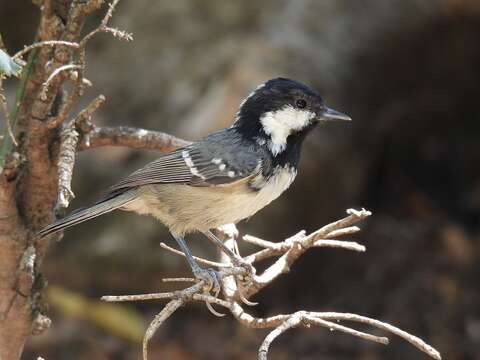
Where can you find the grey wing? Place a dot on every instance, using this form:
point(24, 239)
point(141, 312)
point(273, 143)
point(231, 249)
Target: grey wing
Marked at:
point(213, 161)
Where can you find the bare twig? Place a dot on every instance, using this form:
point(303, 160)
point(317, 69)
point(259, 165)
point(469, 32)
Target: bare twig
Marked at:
point(103, 27)
point(159, 319)
point(310, 320)
point(79, 66)
point(292, 321)
point(298, 246)
point(233, 288)
point(275, 249)
point(109, 14)
point(66, 162)
point(302, 318)
point(199, 259)
point(262, 243)
point(133, 138)
point(278, 248)
point(179, 279)
point(198, 296)
point(415, 341)
point(43, 94)
point(119, 34)
point(52, 43)
point(141, 297)
point(68, 147)
point(347, 245)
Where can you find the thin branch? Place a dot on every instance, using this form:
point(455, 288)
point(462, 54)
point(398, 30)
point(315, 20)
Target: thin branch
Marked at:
point(198, 296)
point(179, 279)
point(43, 93)
point(119, 34)
point(298, 247)
point(342, 232)
point(51, 43)
point(262, 243)
point(291, 322)
point(68, 147)
point(133, 138)
point(233, 288)
point(141, 297)
point(80, 82)
point(272, 249)
point(310, 320)
point(109, 14)
point(103, 27)
point(415, 341)
point(199, 259)
point(159, 319)
point(66, 162)
point(354, 217)
point(347, 245)
point(166, 312)
point(286, 244)
point(302, 318)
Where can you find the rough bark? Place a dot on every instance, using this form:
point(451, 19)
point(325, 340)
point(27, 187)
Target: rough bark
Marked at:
point(28, 187)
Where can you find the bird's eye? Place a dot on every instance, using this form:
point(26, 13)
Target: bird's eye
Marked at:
point(301, 104)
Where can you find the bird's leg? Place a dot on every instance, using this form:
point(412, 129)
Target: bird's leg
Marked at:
point(236, 259)
point(210, 276)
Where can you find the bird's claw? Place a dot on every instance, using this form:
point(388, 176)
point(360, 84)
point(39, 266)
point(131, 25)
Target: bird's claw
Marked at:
point(250, 270)
point(245, 279)
point(210, 277)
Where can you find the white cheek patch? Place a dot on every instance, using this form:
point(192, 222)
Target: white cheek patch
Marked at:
point(281, 123)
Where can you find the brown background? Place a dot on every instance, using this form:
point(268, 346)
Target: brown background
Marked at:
point(408, 72)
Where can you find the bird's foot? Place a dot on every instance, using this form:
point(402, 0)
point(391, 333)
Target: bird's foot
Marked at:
point(210, 277)
point(250, 271)
point(245, 280)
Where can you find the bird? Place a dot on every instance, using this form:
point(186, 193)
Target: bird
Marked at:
point(225, 177)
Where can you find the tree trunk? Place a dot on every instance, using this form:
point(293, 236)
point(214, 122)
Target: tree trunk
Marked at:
point(28, 182)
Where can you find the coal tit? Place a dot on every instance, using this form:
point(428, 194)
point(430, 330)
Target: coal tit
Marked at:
point(227, 176)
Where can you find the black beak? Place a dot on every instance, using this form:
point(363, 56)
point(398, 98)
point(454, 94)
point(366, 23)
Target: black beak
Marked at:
point(333, 115)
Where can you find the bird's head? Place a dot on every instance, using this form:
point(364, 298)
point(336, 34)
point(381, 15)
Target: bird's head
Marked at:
point(280, 109)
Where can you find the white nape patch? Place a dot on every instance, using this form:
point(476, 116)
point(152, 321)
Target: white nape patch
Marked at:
point(216, 161)
point(188, 160)
point(281, 123)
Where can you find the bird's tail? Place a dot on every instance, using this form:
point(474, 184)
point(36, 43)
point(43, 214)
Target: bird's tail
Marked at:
point(107, 204)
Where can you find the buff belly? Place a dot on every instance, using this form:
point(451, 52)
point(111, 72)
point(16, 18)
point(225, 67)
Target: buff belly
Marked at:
point(184, 208)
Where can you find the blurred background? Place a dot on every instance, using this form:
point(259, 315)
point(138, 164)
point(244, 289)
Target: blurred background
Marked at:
point(407, 71)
